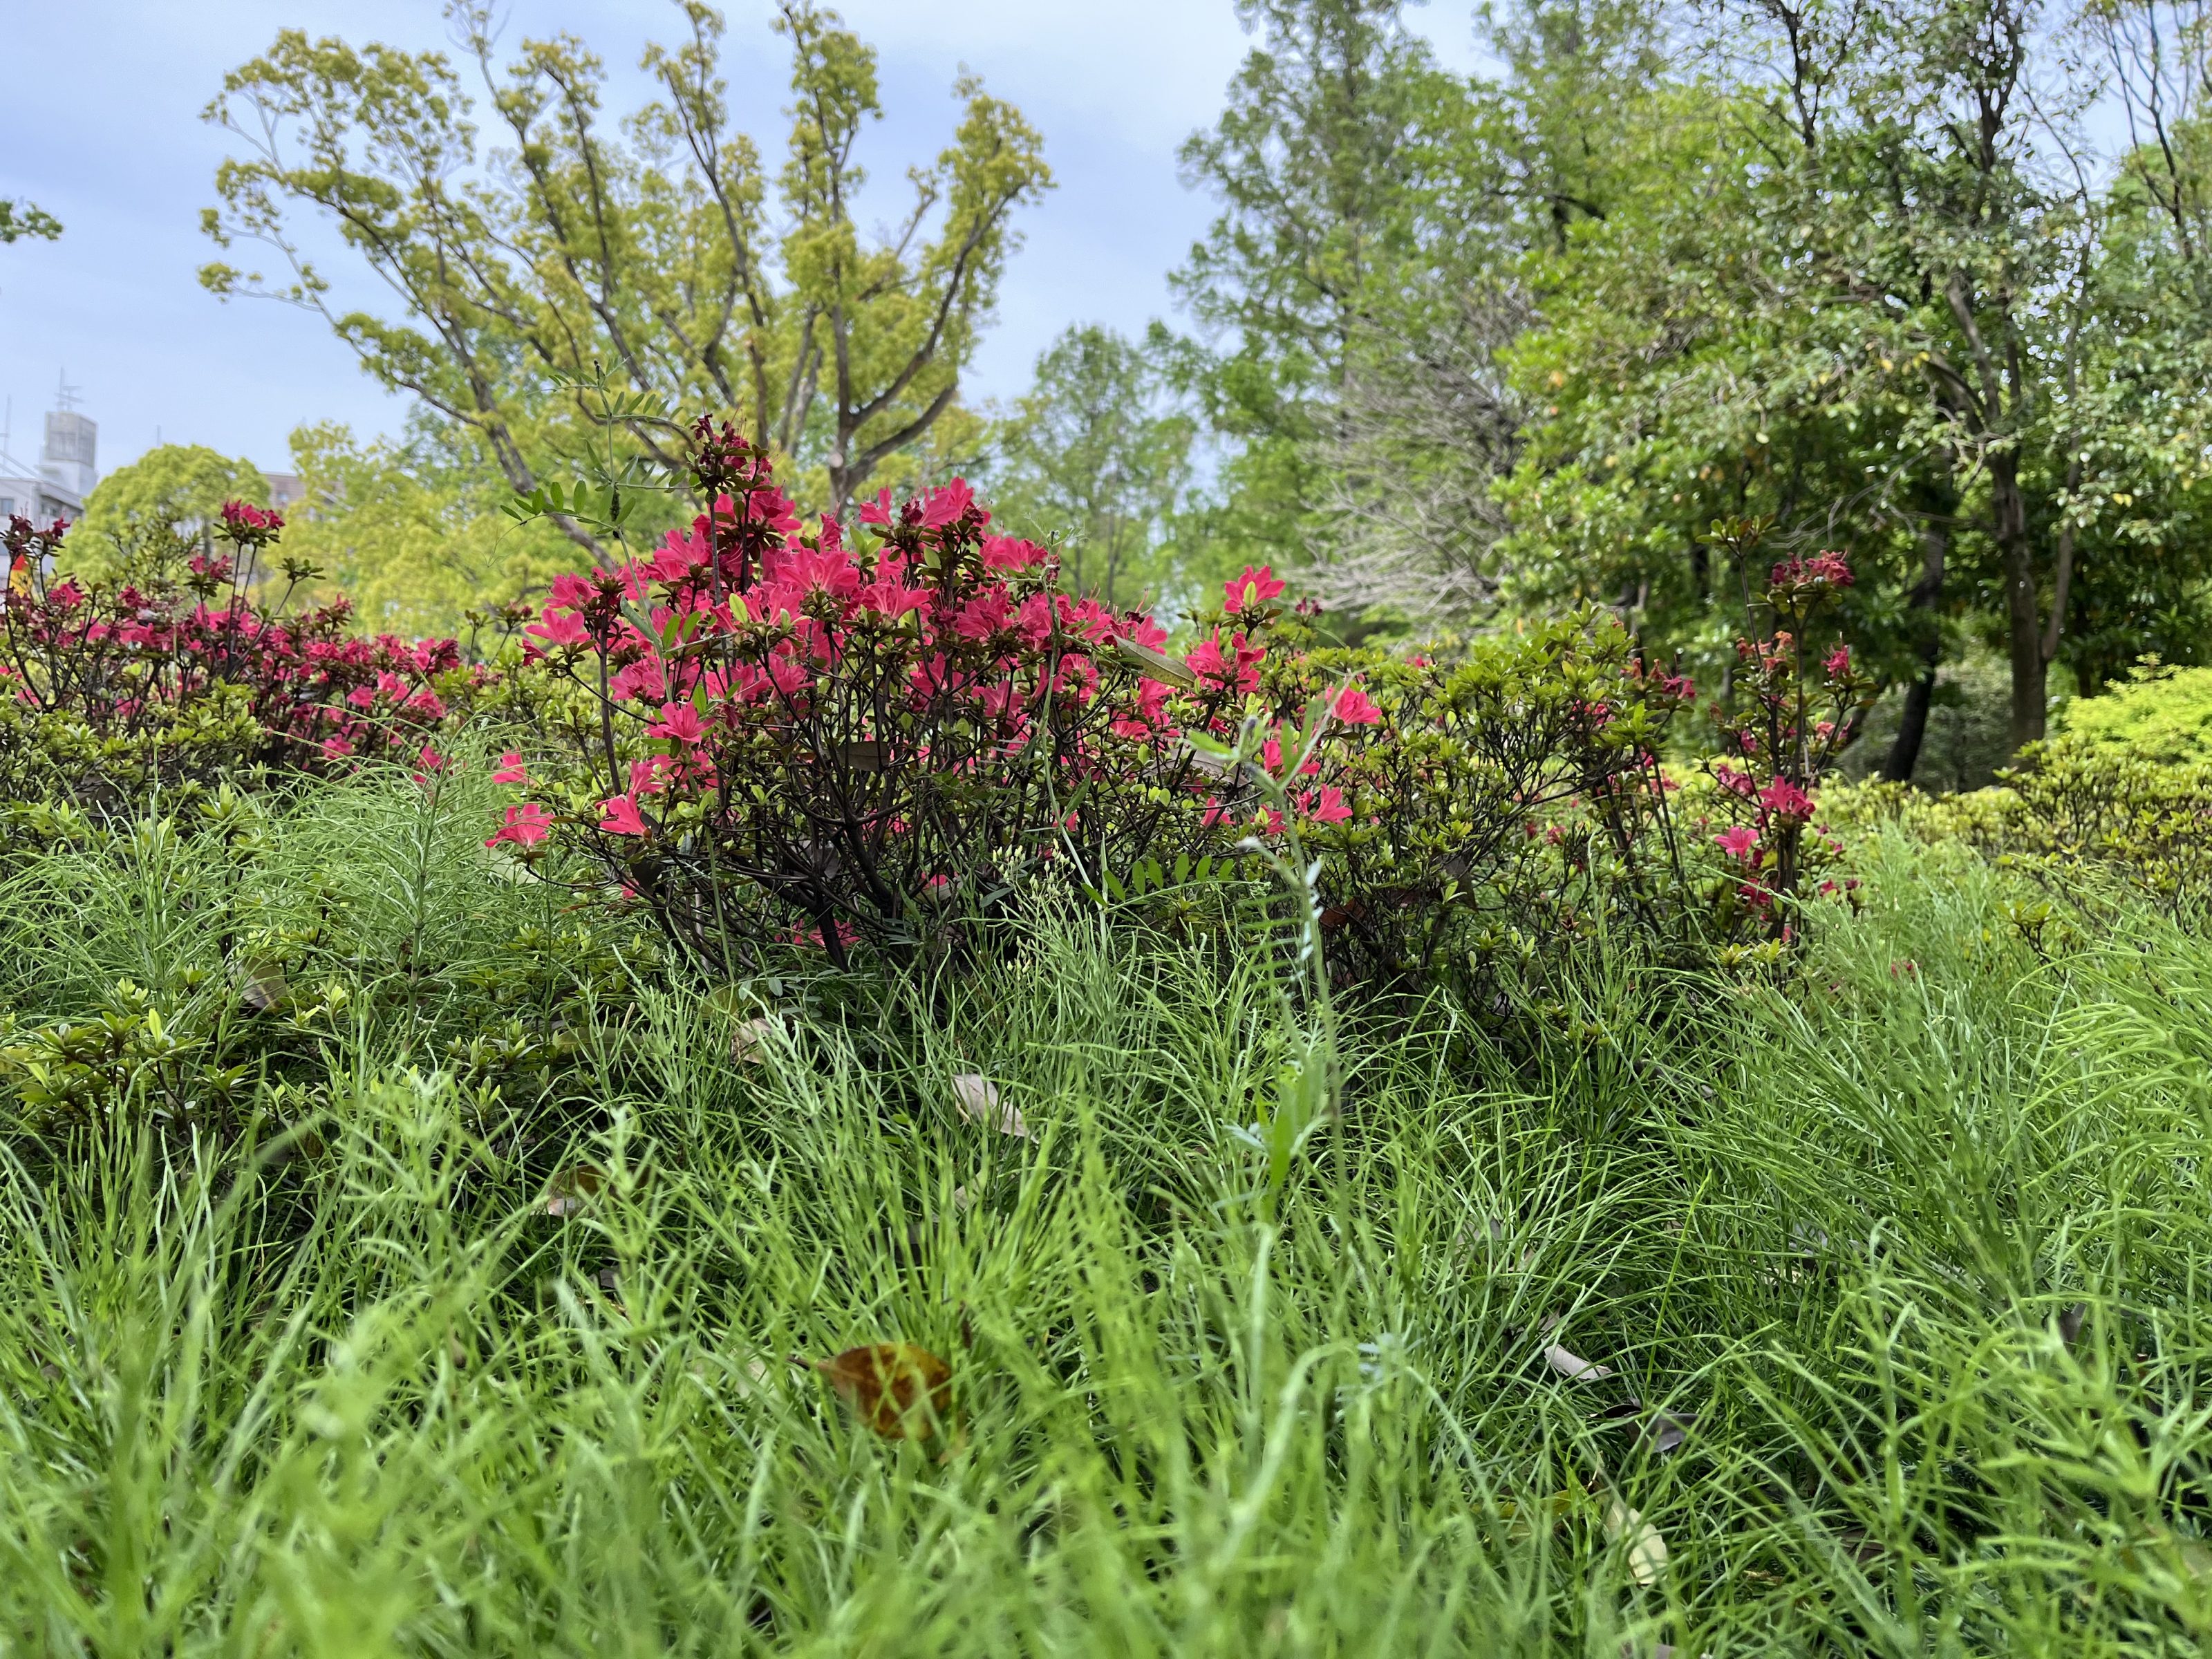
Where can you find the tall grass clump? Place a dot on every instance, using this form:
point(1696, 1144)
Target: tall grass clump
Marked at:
point(1848, 1310)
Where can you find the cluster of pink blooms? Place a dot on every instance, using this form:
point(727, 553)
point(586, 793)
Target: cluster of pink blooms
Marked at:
point(751, 627)
point(1767, 734)
point(113, 657)
point(1822, 572)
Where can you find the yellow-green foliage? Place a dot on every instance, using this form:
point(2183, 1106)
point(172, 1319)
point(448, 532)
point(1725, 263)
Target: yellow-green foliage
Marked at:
point(140, 514)
point(2081, 804)
point(2158, 714)
point(414, 538)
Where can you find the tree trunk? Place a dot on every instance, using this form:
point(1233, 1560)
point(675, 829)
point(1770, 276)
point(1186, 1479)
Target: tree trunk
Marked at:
point(2023, 611)
point(1904, 757)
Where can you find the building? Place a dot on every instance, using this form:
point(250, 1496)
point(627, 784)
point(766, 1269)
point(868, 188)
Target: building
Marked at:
point(67, 470)
point(286, 490)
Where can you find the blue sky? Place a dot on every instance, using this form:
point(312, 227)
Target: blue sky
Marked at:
point(104, 131)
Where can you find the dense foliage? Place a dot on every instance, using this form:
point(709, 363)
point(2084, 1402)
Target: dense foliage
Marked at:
point(115, 697)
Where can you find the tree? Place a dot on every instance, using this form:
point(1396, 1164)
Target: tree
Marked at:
point(20, 219)
point(1879, 296)
point(1337, 126)
point(412, 531)
point(647, 262)
point(1090, 459)
point(148, 512)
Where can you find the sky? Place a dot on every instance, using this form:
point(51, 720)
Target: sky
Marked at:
point(105, 133)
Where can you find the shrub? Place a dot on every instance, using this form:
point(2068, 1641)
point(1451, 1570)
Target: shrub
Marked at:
point(763, 734)
point(2161, 715)
point(766, 735)
point(1781, 731)
point(120, 693)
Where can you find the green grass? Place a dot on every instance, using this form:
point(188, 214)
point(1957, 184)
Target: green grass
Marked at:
point(351, 1389)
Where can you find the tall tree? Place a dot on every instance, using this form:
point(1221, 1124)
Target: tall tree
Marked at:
point(151, 512)
point(1334, 125)
point(653, 260)
point(1094, 458)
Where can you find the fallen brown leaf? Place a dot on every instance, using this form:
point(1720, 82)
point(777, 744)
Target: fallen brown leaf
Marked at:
point(898, 1390)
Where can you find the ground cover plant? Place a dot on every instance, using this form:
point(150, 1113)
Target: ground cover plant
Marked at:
point(415, 1241)
point(1849, 1313)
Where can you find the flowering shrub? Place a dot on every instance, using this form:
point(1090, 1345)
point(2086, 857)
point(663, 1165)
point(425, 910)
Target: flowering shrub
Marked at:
point(1472, 813)
point(764, 734)
point(1796, 705)
point(110, 695)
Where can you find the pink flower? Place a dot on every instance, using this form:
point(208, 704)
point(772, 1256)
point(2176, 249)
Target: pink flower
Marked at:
point(1353, 708)
point(524, 825)
point(1738, 843)
point(559, 628)
point(621, 816)
point(510, 768)
point(679, 722)
point(878, 512)
point(1784, 799)
point(1253, 587)
point(1839, 662)
point(943, 507)
point(1330, 808)
point(1238, 669)
point(1821, 572)
point(1007, 553)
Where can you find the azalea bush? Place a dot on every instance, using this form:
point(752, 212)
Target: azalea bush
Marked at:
point(770, 732)
point(114, 695)
point(1797, 701)
point(1473, 810)
point(766, 733)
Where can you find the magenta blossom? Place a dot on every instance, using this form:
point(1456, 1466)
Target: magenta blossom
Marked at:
point(524, 825)
point(620, 815)
point(1353, 708)
point(1253, 587)
point(1738, 843)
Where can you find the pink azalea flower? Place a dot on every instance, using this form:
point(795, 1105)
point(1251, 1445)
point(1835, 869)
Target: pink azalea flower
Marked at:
point(511, 769)
point(942, 507)
point(1839, 662)
point(1330, 808)
point(1784, 799)
point(1738, 843)
point(1238, 668)
point(524, 825)
point(1353, 708)
point(1253, 587)
point(877, 513)
point(679, 722)
point(1008, 553)
point(559, 628)
point(621, 816)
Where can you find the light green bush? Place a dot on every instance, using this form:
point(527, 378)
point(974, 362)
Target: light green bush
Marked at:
point(2160, 714)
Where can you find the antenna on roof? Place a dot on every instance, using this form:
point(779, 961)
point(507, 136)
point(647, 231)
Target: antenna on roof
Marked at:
point(65, 396)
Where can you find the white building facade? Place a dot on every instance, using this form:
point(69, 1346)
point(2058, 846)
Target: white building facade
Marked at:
point(67, 470)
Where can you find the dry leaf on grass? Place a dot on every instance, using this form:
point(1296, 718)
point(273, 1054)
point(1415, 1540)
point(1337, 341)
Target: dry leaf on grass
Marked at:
point(261, 986)
point(1647, 1550)
point(980, 1101)
point(898, 1390)
point(569, 1191)
point(748, 1027)
point(1568, 1364)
